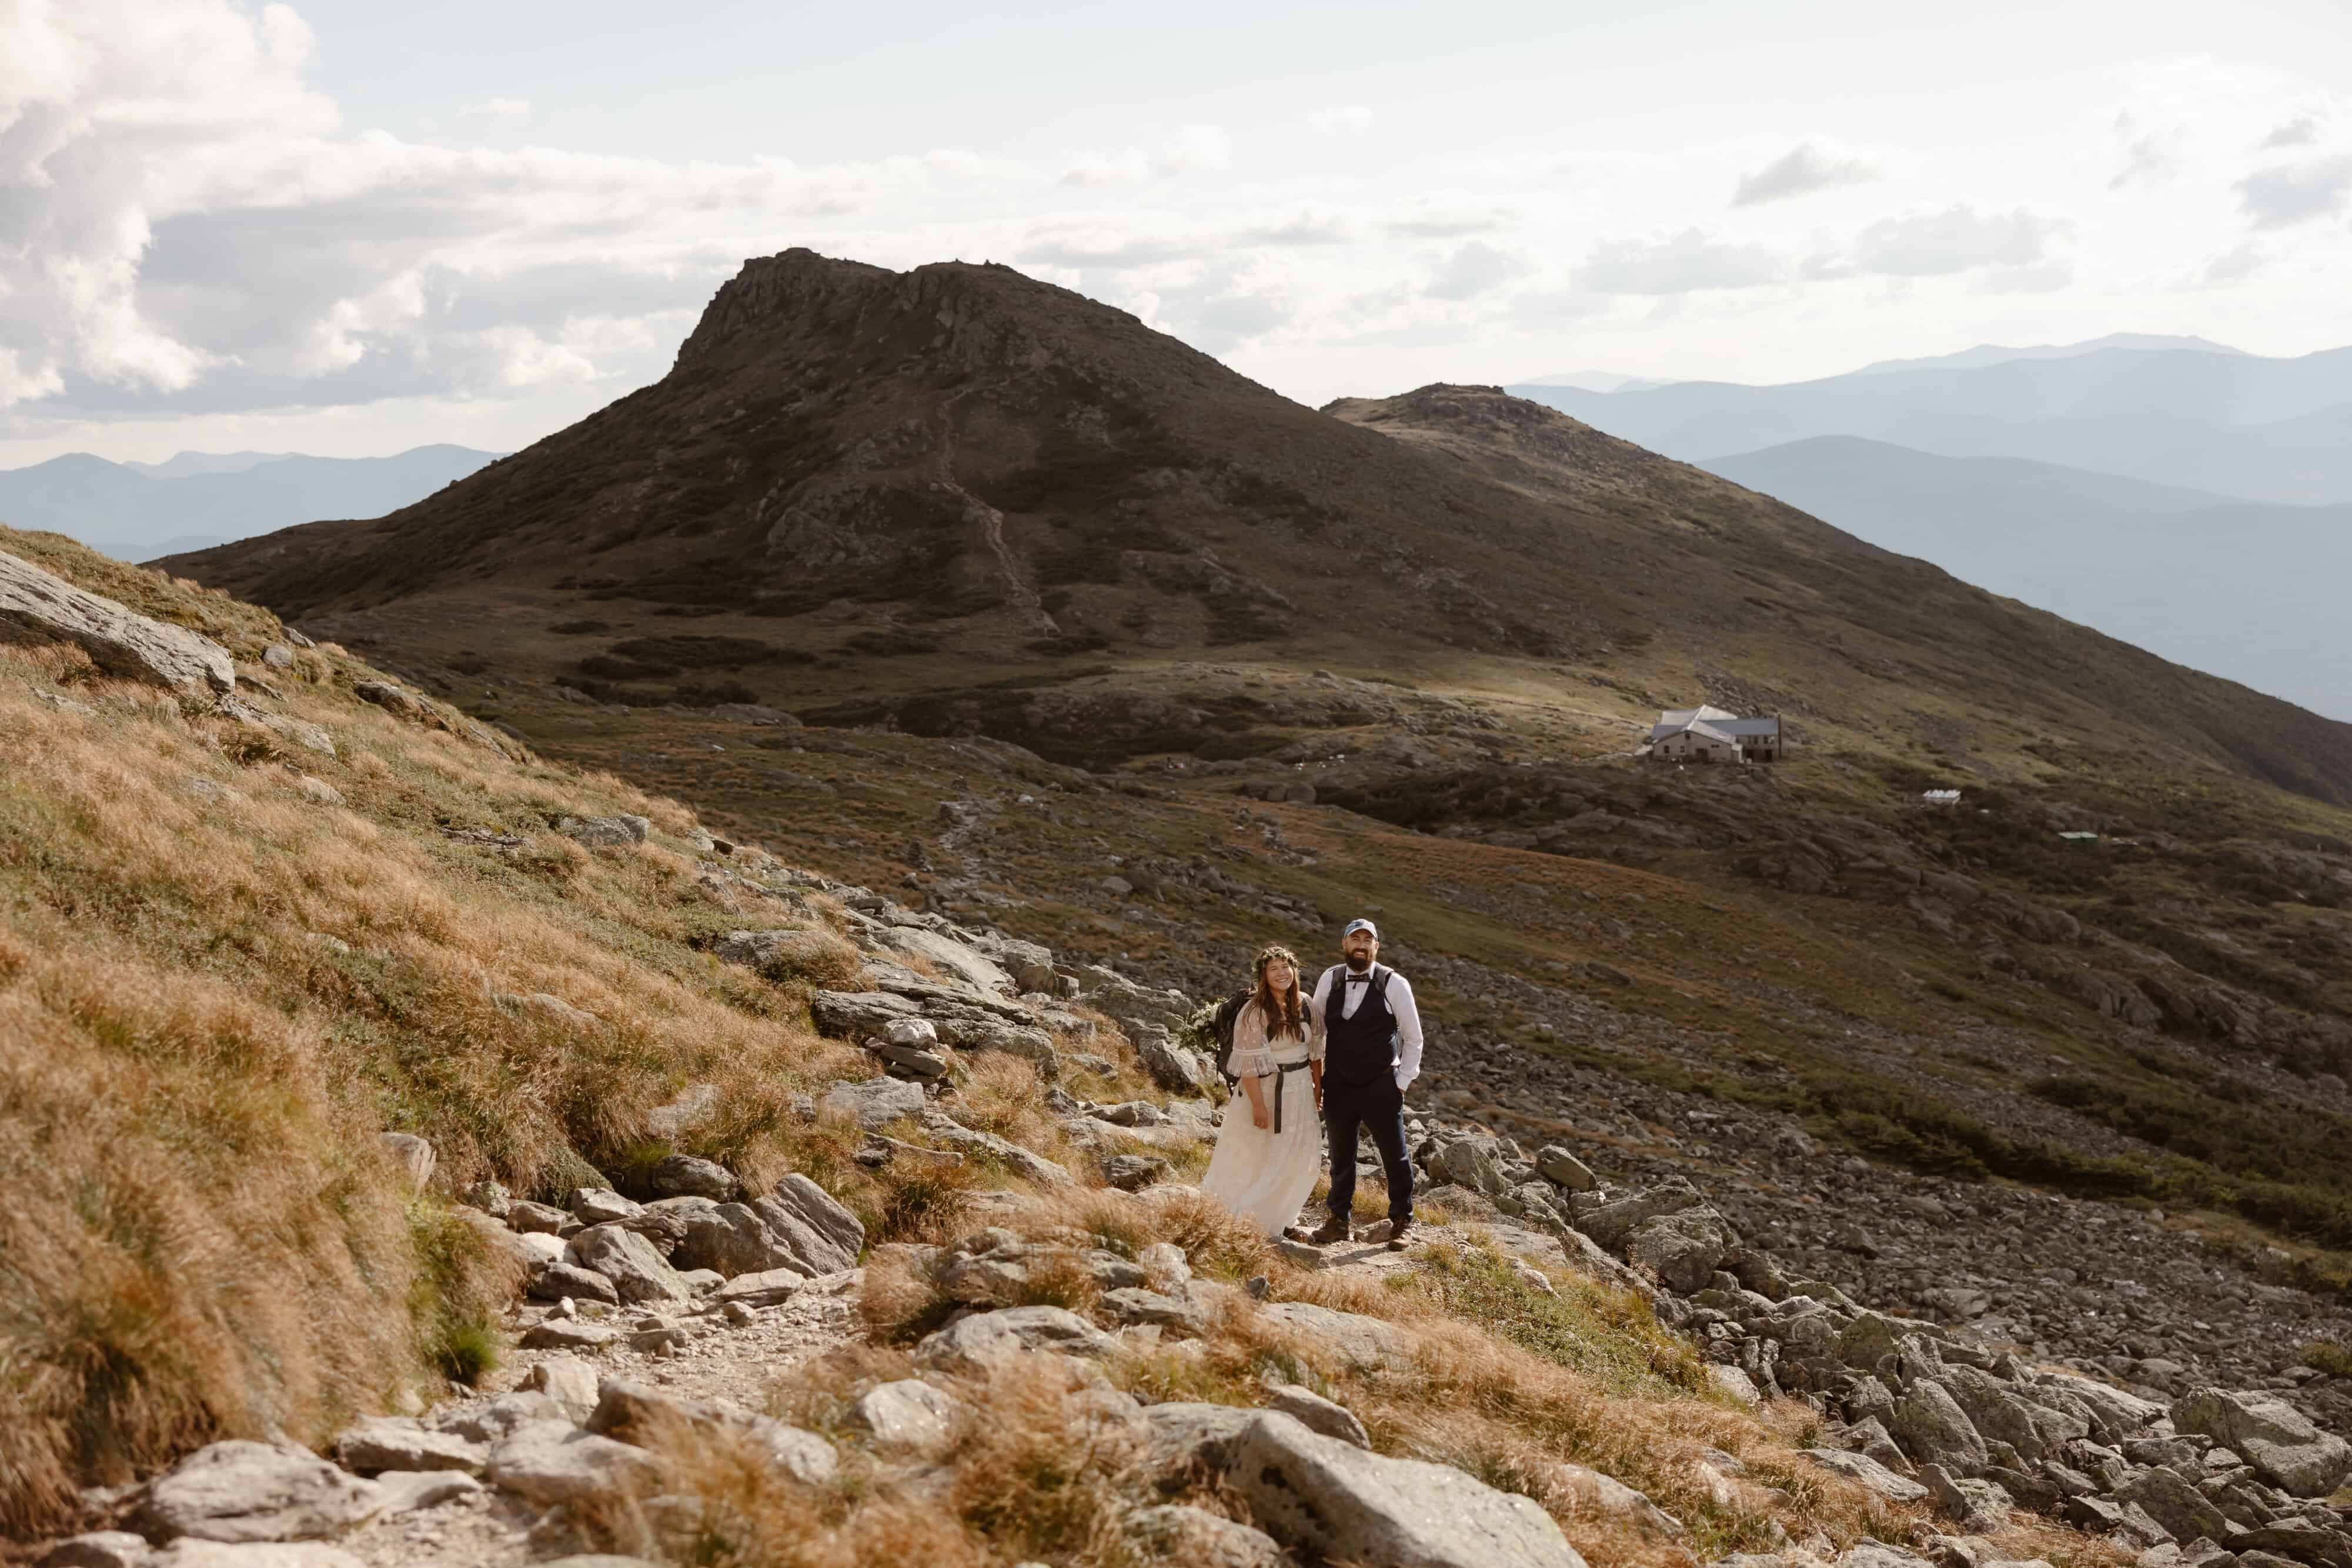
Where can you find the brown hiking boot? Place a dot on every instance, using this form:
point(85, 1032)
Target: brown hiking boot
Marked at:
point(1333, 1230)
point(1400, 1235)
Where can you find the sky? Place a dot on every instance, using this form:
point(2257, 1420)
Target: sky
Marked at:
point(352, 228)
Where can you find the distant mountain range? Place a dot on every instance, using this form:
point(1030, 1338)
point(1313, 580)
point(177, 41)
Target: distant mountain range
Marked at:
point(2201, 415)
point(2246, 590)
point(135, 511)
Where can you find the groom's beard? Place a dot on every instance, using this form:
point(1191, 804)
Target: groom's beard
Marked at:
point(1359, 965)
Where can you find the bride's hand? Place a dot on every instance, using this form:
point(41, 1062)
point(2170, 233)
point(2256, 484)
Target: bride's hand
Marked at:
point(1259, 1119)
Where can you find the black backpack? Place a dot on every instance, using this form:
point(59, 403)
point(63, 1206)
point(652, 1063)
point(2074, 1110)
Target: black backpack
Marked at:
point(1221, 1030)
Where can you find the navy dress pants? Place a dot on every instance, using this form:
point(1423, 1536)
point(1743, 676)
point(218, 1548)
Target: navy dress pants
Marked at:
point(1377, 1108)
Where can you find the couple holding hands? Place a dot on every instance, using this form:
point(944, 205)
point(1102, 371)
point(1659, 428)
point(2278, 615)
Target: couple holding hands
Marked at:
point(1347, 1051)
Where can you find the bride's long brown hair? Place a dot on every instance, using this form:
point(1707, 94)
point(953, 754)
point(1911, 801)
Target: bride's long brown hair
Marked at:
point(1286, 1015)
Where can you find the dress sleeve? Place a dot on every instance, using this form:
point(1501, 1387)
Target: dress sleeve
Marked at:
point(1251, 1059)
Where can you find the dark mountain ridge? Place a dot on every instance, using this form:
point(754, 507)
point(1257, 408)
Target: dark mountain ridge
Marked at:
point(984, 473)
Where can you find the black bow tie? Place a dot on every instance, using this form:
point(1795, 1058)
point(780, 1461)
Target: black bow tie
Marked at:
point(1359, 980)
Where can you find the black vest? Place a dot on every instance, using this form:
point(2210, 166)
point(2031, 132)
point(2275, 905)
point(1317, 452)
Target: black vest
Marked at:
point(1360, 1050)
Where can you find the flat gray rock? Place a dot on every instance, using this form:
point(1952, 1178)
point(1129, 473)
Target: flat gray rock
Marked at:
point(1199, 1539)
point(1317, 1414)
point(99, 1549)
point(1364, 1342)
point(551, 1462)
point(971, 1343)
point(241, 1491)
point(768, 1288)
point(38, 606)
point(1335, 1500)
point(909, 1414)
point(876, 1103)
point(191, 1552)
point(401, 1443)
point(1869, 1472)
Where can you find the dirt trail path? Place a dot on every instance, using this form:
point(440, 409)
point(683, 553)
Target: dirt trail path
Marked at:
point(1017, 586)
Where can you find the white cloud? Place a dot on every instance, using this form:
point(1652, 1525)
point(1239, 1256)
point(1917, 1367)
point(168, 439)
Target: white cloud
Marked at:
point(1475, 268)
point(191, 228)
point(1452, 215)
point(1349, 119)
point(1190, 149)
point(2285, 194)
point(1957, 238)
point(1811, 165)
point(499, 109)
point(1196, 147)
point(2301, 131)
point(1678, 264)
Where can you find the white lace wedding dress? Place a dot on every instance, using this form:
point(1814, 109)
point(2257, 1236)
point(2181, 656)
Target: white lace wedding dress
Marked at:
point(1265, 1176)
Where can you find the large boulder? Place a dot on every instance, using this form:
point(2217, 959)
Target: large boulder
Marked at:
point(1869, 1472)
point(2270, 1435)
point(855, 1015)
point(238, 1490)
point(635, 1267)
point(1012, 1155)
point(969, 1344)
point(381, 1443)
point(551, 1462)
point(731, 1238)
point(1611, 1222)
point(37, 606)
point(820, 1236)
point(1931, 1427)
point(876, 1103)
point(684, 1175)
point(1175, 1068)
point(1682, 1250)
point(1474, 1162)
point(907, 1416)
point(1356, 1339)
point(1337, 1500)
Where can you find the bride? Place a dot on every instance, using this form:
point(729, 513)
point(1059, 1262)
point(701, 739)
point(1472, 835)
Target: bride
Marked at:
point(1266, 1160)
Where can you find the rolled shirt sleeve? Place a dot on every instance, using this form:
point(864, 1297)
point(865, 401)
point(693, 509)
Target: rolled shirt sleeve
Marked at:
point(1408, 1022)
point(1314, 1027)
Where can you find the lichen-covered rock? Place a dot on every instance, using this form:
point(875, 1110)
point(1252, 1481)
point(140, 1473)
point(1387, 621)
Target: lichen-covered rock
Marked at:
point(37, 606)
point(1335, 1500)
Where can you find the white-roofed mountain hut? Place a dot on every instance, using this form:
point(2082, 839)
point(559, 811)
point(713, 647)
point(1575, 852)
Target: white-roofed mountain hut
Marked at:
point(1706, 734)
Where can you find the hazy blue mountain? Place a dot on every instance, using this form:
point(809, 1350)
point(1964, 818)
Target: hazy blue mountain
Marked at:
point(1998, 354)
point(1596, 381)
point(199, 499)
point(2237, 589)
point(2212, 419)
point(180, 464)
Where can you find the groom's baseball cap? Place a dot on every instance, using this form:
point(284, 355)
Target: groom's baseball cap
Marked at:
point(1364, 926)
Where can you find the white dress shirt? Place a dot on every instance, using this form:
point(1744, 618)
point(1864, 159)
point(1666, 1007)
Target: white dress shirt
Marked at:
point(1400, 1004)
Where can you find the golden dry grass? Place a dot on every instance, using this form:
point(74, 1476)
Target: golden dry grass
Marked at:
point(214, 992)
point(1513, 1393)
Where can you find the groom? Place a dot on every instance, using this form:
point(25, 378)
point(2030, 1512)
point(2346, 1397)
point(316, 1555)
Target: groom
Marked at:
point(1371, 1034)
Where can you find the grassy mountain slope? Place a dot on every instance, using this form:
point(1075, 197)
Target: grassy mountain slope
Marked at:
point(1068, 626)
point(230, 957)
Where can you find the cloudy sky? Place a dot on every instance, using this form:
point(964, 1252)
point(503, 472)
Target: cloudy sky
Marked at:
point(348, 227)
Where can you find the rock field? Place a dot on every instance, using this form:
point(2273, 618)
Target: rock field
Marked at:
point(2070, 1391)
